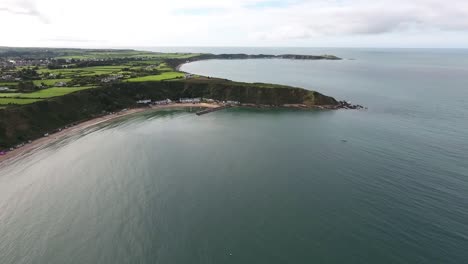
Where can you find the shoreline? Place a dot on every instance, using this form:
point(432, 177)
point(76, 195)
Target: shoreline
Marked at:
point(37, 143)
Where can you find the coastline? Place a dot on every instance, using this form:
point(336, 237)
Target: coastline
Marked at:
point(35, 144)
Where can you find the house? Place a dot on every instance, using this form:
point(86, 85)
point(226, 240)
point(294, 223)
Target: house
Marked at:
point(232, 102)
point(3, 89)
point(163, 102)
point(188, 75)
point(190, 100)
point(7, 77)
point(147, 101)
point(60, 84)
point(209, 100)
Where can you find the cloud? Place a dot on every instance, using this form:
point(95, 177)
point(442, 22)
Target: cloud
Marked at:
point(74, 40)
point(198, 11)
point(265, 4)
point(366, 17)
point(24, 7)
point(233, 22)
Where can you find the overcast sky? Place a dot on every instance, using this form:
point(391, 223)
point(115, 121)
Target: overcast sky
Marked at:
point(305, 23)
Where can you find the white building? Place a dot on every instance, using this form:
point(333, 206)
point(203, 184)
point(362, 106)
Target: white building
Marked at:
point(190, 100)
point(209, 100)
point(2, 89)
point(60, 84)
point(163, 102)
point(147, 101)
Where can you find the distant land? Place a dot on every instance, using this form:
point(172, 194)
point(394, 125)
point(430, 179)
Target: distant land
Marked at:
point(43, 90)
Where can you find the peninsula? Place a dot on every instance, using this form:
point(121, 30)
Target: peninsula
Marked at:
point(43, 90)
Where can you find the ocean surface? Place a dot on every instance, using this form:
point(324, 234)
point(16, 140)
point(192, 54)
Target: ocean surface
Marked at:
point(384, 185)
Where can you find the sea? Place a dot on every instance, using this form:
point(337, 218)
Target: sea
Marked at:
point(384, 185)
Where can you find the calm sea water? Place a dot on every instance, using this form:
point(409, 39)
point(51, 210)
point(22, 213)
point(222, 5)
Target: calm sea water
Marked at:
point(386, 185)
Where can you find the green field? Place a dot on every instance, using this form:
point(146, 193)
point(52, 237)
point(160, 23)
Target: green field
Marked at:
point(6, 101)
point(10, 95)
point(144, 62)
point(175, 55)
point(50, 82)
point(164, 67)
point(46, 93)
point(88, 71)
point(124, 54)
point(134, 62)
point(8, 84)
point(159, 77)
point(53, 92)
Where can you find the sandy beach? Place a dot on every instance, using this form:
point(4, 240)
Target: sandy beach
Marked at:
point(30, 147)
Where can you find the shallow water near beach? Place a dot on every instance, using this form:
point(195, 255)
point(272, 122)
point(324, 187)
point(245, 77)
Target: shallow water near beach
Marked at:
point(385, 185)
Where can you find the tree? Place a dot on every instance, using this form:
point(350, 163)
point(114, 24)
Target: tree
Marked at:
point(27, 86)
point(28, 74)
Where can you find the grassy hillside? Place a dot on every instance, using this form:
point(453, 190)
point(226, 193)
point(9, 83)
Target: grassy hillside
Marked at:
point(31, 121)
point(159, 77)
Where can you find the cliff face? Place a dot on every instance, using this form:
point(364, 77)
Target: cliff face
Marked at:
point(19, 124)
point(258, 93)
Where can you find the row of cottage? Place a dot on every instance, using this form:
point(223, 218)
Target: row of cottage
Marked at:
point(187, 101)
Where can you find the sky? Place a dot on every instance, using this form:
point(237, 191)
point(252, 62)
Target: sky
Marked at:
point(295, 23)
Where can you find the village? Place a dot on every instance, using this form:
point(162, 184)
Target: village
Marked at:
point(26, 78)
point(197, 100)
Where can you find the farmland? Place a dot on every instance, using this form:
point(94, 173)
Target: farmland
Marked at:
point(41, 71)
point(16, 101)
point(160, 77)
point(54, 92)
point(10, 95)
point(27, 98)
point(50, 82)
point(8, 84)
point(164, 67)
point(88, 71)
point(127, 54)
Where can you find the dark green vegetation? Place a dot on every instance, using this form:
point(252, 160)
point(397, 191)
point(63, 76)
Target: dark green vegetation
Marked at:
point(175, 62)
point(18, 124)
point(44, 89)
